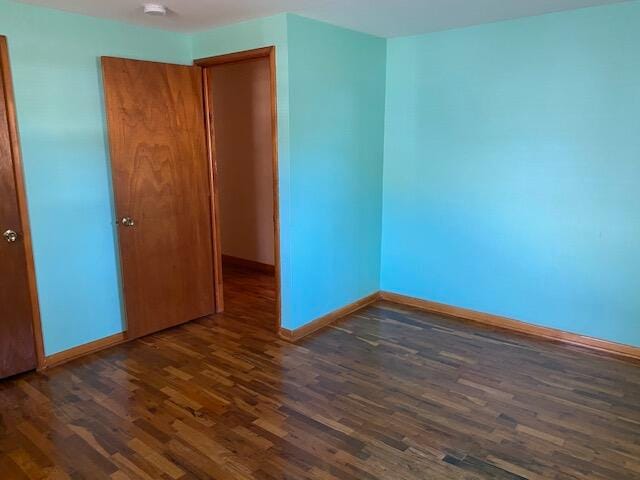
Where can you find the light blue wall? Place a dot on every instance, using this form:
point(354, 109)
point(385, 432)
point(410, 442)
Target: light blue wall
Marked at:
point(264, 32)
point(512, 170)
point(510, 164)
point(336, 86)
point(331, 122)
point(55, 63)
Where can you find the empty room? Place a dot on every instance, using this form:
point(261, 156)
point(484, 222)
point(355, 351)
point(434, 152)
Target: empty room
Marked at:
point(320, 239)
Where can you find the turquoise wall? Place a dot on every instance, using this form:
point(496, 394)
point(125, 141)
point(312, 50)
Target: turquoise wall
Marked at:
point(330, 86)
point(55, 63)
point(512, 165)
point(336, 88)
point(264, 32)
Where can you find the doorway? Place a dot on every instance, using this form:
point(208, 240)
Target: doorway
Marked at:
point(240, 99)
point(20, 335)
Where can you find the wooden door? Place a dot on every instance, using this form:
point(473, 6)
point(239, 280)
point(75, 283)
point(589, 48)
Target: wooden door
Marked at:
point(161, 184)
point(17, 345)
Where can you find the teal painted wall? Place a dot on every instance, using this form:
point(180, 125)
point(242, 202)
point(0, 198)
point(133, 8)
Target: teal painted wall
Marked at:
point(336, 95)
point(330, 87)
point(55, 63)
point(264, 32)
point(512, 165)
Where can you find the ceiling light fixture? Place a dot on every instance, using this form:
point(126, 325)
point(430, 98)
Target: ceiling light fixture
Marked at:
point(155, 9)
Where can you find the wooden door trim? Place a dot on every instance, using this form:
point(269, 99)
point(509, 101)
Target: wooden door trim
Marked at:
point(236, 57)
point(18, 170)
point(270, 54)
point(216, 242)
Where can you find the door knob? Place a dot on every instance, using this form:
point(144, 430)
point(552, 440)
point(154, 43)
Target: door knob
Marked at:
point(127, 222)
point(10, 236)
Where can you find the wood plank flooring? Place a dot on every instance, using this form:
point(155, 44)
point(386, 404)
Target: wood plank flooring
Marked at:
point(387, 393)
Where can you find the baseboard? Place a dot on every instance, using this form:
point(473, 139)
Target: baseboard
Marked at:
point(82, 350)
point(318, 323)
point(459, 313)
point(505, 323)
point(249, 264)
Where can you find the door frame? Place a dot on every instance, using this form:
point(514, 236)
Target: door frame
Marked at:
point(18, 172)
point(242, 56)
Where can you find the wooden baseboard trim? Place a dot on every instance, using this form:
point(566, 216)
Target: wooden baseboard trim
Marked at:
point(249, 264)
point(318, 323)
point(82, 350)
point(496, 321)
point(505, 323)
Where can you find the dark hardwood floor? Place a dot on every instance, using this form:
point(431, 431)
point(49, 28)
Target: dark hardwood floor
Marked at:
point(388, 393)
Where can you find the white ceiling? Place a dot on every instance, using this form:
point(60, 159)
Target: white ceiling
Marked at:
point(386, 18)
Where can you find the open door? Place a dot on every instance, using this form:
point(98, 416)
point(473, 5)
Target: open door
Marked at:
point(18, 304)
point(162, 197)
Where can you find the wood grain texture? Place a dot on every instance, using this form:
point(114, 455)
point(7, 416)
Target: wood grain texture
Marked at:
point(248, 264)
point(389, 392)
point(12, 120)
point(160, 175)
point(515, 325)
point(276, 184)
point(235, 56)
point(17, 313)
point(84, 349)
point(250, 296)
point(218, 281)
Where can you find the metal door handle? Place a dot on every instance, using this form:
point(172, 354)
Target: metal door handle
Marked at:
point(127, 222)
point(10, 236)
